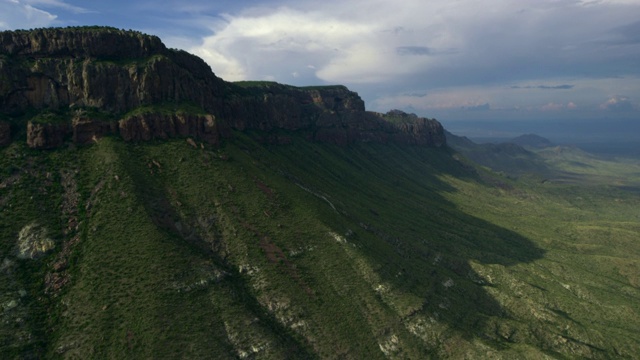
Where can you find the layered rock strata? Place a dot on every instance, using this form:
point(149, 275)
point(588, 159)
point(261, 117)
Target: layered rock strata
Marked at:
point(115, 72)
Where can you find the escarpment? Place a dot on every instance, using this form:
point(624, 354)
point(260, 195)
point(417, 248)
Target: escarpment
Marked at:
point(108, 69)
point(97, 82)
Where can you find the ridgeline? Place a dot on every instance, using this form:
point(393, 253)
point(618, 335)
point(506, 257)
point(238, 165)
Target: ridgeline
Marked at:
point(149, 209)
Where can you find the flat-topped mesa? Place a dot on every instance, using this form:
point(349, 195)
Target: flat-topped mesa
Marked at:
point(366, 126)
point(151, 92)
point(104, 68)
point(331, 114)
point(81, 42)
point(268, 106)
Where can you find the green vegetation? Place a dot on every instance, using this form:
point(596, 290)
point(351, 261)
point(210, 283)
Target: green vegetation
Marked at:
point(577, 166)
point(325, 87)
point(399, 117)
point(52, 117)
point(166, 108)
point(312, 251)
point(255, 83)
point(273, 84)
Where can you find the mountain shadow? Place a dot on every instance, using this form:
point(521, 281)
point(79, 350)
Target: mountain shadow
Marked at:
point(389, 204)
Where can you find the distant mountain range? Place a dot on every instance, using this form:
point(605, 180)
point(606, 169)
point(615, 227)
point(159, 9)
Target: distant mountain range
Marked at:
point(531, 140)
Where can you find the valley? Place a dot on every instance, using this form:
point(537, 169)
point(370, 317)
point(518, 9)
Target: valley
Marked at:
point(197, 218)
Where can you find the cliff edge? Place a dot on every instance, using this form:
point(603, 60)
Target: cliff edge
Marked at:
point(78, 84)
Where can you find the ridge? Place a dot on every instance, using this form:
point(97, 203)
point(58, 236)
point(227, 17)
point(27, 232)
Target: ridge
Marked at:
point(117, 82)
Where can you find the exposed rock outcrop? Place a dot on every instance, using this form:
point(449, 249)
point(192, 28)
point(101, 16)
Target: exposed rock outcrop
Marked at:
point(328, 114)
point(115, 72)
point(157, 126)
point(104, 68)
point(86, 130)
point(46, 136)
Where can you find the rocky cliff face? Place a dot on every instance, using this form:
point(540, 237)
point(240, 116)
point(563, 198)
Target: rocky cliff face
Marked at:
point(156, 126)
point(46, 136)
point(116, 71)
point(108, 69)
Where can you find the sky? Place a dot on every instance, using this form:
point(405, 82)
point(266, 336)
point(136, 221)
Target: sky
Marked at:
point(461, 61)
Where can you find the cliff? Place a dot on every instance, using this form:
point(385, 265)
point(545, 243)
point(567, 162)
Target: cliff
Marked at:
point(117, 73)
point(104, 68)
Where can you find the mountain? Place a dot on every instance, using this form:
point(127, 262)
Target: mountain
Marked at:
point(531, 140)
point(152, 210)
point(509, 157)
point(91, 82)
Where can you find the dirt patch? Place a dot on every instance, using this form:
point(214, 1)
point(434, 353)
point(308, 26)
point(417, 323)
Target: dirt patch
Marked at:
point(276, 255)
point(265, 189)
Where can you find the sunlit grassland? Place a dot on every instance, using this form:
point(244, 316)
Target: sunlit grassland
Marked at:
point(590, 169)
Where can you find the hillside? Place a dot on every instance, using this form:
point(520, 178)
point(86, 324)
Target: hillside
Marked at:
point(297, 226)
point(509, 158)
point(531, 141)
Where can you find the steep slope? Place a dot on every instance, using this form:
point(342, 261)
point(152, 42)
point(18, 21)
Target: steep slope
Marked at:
point(165, 250)
point(297, 226)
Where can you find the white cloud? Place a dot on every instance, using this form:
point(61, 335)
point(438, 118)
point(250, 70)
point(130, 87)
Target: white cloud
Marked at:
point(56, 4)
point(618, 103)
point(342, 46)
point(436, 43)
point(15, 14)
point(529, 96)
point(462, 54)
point(284, 41)
point(552, 107)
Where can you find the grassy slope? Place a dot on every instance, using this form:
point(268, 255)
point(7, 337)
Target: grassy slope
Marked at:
point(310, 250)
point(584, 168)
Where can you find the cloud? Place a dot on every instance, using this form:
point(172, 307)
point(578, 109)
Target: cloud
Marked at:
point(373, 42)
point(552, 107)
point(16, 14)
point(483, 107)
point(413, 50)
point(57, 4)
point(584, 99)
point(626, 34)
point(453, 56)
point(467, 99)
point(545, 87)
point(280, 43)
point(618, 104)
point(343, 46)
point(423, 51)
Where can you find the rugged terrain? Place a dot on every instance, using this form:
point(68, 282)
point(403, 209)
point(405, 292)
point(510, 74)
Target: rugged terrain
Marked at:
point(151, 210)
point(91, 82)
